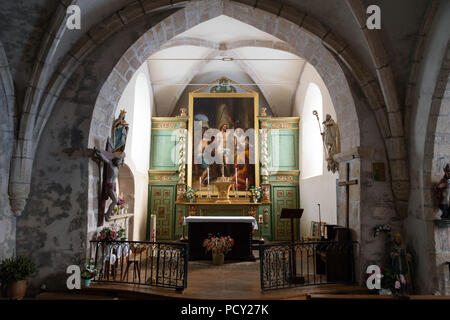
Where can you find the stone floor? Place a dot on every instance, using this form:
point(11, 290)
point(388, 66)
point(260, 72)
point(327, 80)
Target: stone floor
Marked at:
point(233, 280)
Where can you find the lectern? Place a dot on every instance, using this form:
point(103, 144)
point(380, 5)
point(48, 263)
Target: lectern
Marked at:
point(293, 214)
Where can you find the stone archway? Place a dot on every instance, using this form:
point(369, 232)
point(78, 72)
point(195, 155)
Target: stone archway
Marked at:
point(436, 156)
point(64, 183)
point(275, 18)
point(298, 40)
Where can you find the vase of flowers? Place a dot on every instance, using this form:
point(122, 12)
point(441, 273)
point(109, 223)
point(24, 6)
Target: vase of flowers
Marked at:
point(190, 195)
point(254, 194)
point(88, 272)
point(112, 233)
point(123, 206)
point(219, 247)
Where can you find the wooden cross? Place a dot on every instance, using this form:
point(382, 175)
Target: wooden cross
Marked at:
point(347, 183)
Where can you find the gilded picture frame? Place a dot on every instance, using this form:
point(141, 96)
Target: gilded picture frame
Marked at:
point(197, 101)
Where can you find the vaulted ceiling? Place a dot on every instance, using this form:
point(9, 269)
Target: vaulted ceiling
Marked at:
point(23, 24)
point(224, 46)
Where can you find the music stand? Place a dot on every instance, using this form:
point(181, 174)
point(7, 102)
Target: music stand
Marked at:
point(293, 214)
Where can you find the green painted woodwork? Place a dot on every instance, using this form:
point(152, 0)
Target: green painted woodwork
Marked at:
point(283, 150)
point(283, 146)
point(164, 155)
point(283, 197)
point(180, 212)
point(161, 199)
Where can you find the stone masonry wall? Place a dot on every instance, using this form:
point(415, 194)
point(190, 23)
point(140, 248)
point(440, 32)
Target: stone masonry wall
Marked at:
point(7, 218)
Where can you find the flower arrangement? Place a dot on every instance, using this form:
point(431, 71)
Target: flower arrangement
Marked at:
point(89, 271)
point(190, 194)
point(385, 228)
point(221, 245)
point(255, 194)
point(113, 233)
point(396, 283)
point(121, 201)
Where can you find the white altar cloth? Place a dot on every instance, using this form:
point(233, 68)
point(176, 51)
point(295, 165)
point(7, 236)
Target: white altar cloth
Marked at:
point(222, 219)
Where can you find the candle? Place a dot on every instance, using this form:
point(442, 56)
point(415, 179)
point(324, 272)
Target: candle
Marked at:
point(246, 184)
point(235, 170)
point(208, 174)
point(260, 218)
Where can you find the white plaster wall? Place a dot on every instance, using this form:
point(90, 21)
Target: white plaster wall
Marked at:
point(142, 138)
point(319, 189)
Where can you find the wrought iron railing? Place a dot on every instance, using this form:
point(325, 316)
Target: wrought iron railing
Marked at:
point(158, 264)
point(315, 263)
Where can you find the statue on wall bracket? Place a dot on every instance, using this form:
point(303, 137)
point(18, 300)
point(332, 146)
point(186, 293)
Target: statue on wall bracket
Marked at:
point(120, 130)
point(330, 139)
point(443, 193)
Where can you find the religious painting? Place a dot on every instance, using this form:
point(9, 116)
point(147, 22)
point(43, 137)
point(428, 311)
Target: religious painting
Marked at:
point(223, 141)
point(120, 132)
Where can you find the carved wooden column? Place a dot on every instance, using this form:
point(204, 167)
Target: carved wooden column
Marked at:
point(181, 185)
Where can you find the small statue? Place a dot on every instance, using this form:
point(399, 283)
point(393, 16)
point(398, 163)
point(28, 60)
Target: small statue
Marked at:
point(402, 265)
point(330, 139)
point(443, 193)
point(120, 132)
point(330, 136)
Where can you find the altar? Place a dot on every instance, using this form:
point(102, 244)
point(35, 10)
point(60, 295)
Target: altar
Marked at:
point(195, 171)
point(238, 228)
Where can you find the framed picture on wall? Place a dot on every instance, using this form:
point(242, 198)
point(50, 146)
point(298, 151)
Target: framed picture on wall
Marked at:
point(223, 124)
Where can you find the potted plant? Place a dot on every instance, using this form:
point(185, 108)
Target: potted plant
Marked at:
point(88, 272)
point(13, 275)
point(219, 246)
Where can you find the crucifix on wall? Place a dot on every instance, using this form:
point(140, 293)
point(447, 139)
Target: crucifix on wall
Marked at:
point(108, 188)
point(347, 183)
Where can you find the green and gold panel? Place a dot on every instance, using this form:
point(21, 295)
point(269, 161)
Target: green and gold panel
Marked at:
point(283, 197)
point(161, 200)
point(283, 150)
point(223, 211)
point(180, 212)
point(165, 142)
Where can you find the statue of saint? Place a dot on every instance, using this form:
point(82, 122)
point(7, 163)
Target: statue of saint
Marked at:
point(330, 136)
point(109, 184)
point(402, 265)
point(443, 192)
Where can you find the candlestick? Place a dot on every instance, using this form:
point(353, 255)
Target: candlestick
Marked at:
point(260, 218)
point(236, 194)
point(209, 194)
